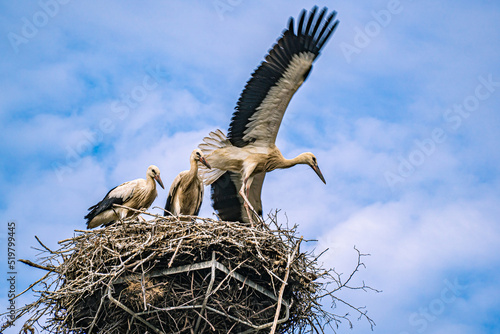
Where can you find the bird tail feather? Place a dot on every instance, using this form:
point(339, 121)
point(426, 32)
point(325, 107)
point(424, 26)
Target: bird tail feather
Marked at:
point(215, 140)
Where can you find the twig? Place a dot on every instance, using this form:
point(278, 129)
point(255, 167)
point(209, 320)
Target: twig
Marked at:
point(47, 248)
point(138, 211)
point(126, 309)
point(39, 266)
point(175, 253)
point(32, 285)
point(282, 289)
point(98, 311)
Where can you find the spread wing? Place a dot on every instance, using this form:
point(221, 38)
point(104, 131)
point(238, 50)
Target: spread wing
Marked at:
point(263, 102)
point(228, 203)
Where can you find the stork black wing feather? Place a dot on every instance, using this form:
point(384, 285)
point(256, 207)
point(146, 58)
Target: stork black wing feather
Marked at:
point(168, 206)
point(225, 198)
point(322, 38)
point(309, 35)
point(300, 28)
point(228, 203)
point(318, 23)
point(106, 204)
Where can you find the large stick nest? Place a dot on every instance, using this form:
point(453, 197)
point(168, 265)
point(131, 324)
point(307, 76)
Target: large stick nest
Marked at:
point(196, 276)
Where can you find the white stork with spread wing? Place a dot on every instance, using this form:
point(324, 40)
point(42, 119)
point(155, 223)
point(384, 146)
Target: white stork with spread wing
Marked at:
point(240, 161)
point(135, 194)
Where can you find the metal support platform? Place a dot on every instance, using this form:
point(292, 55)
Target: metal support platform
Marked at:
point(214, 265)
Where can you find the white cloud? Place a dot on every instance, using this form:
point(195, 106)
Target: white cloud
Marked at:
point(358, 118)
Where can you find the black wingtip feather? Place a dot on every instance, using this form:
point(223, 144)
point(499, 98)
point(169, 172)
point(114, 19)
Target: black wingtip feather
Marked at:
point(300, 28)
point(309, 36)
point(290, 25)
point(106, 204)
point(318, 23)
point(331, 30)
point(168, 206)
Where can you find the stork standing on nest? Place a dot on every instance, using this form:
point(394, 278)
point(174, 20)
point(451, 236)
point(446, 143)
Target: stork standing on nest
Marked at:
point(240, 161)
point(186, 192)
point(136, 194)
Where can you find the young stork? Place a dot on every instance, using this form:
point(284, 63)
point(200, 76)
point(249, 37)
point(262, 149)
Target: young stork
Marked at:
point(240, 161)
point(136, 194)
point(186, 193)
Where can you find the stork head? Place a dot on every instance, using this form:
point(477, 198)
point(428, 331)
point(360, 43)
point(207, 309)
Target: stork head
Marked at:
point(198, 155)
point(311, 160)
point(154, 173)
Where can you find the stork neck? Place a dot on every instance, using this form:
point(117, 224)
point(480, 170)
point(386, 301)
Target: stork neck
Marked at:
point(281, 162)
point(193, 170)
point(292, 162)
point(151, 182)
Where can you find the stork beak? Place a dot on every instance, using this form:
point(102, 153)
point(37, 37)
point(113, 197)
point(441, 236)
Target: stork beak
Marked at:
point(318, 172)
point(204, 161)
point(158, 179)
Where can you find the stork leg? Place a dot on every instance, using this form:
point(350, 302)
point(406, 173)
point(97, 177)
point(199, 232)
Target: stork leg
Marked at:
point(244, 191)
point(247, 205)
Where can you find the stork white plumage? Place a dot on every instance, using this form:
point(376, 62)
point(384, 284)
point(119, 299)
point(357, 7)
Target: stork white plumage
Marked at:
point(240, 161)
point(186, 192)
point(136, 194)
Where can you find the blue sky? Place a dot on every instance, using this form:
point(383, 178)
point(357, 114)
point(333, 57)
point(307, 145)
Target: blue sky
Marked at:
point(401, 110)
